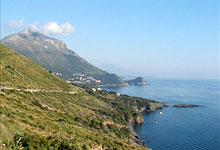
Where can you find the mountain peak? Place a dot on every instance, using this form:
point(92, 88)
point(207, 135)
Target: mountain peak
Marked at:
point(36, 38)
point(26, 31)
point(54, 55)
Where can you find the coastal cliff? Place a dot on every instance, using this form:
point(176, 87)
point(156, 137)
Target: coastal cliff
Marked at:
point(152, 107)
point(155, 106)
point(139, 120)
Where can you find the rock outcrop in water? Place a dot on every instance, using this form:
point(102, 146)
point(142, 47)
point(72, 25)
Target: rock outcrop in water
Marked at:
point(186, 105)
point(137, 81)
point(139, 120)
point(156, 106)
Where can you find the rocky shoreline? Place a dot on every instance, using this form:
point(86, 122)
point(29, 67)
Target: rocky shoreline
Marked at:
point(136, 139)
point(139, 120)
point(153, 107)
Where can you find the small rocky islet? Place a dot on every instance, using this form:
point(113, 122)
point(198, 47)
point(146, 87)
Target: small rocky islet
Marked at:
point(137, 81)
point(186, 105)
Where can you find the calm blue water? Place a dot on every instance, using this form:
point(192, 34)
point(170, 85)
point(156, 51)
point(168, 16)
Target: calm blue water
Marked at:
point(180, 128)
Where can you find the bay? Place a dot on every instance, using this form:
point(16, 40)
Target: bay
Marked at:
point(179, 128)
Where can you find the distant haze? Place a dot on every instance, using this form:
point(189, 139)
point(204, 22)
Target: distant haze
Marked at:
point(172, 38)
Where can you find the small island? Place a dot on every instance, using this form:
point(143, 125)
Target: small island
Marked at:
point(137, 81)
point(186, 105)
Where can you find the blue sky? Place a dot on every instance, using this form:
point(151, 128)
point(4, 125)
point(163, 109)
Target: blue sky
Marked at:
point(163, 38)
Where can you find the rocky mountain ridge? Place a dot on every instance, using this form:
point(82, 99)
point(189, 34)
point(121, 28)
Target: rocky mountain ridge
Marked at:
point(56, 57)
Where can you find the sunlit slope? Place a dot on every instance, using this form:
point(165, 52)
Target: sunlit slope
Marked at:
point(53, 117)
point(19, 72)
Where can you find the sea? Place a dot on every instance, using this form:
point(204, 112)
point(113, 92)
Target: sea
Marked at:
point(179, 128)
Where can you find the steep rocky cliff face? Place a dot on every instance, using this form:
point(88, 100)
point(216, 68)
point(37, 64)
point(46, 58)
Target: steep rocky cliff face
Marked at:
point(139, 120)
point(155, 106)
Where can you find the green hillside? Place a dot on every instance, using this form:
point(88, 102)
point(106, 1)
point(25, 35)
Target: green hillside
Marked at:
point(54, 117)
point(54, 55)
point(19, 72)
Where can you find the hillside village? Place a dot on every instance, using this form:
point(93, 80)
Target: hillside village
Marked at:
point(79, 78)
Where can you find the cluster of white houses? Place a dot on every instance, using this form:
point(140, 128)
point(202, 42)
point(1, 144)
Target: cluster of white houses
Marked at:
point(79, 78)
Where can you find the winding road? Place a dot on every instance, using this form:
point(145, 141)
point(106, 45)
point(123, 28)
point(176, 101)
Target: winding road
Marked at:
point(37, 90)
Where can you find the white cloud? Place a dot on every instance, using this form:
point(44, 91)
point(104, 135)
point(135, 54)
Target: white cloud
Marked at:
point(53, 28)
point(15, 23)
